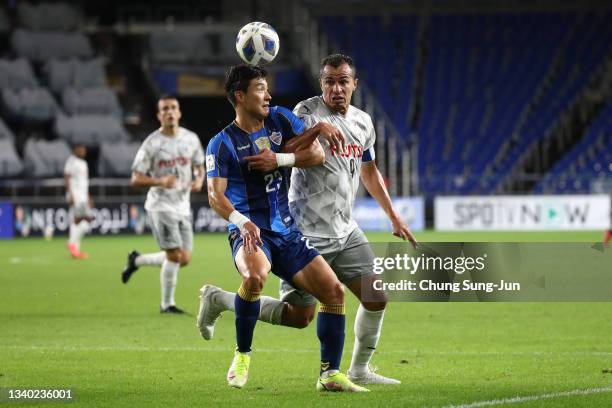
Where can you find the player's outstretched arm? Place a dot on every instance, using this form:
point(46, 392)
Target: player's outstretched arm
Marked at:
point(332, 134)
point(266, 161)
point(374, 183)
point(222, 206)
point(141, 180)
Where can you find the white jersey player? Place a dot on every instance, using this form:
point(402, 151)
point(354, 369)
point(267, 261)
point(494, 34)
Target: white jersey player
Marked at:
point(76, 181)
point(321, 200)
point(166, 163)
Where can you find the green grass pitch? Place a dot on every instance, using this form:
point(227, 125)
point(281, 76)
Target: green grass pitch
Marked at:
point(67, 323)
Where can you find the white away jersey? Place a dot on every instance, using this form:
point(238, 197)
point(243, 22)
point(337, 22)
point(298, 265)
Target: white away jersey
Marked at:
point(321, 198)
point(78, 172)
point(162, 155)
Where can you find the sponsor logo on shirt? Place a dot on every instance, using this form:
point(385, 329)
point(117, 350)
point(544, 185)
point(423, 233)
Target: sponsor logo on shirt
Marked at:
point(351, 150)
point(210, 162)
point(240, 148)
point(180, 161)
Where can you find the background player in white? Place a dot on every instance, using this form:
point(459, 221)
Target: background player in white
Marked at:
point(321, 199)
point(76, 180)
point(170, 162)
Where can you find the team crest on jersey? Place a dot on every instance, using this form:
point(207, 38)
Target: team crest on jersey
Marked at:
point(276, 138)
point(263, 143)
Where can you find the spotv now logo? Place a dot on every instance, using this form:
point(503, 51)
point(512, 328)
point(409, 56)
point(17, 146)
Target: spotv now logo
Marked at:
point(522, 212)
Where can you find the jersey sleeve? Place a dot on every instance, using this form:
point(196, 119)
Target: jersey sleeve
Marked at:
point(198, 154)
point(68, 168)
point(290, 124)
point(305, 114)
point(368, 150)
point(142, 161)
point(217, 158)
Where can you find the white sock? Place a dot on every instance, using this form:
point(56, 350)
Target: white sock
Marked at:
point(169, 273)
point(156, 258)
point(226, 299)
point(72, 235)
point(368, 325)
point(78, 231)
point(271, 310)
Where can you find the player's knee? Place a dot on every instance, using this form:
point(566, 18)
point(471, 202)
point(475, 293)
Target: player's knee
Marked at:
point(185, 259)
point(254, 282)
point(374, 306)
point(174, 256)
point(305, 320)
point(334, 295)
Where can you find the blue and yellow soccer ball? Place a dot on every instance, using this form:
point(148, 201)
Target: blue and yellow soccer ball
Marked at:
point(257, 43)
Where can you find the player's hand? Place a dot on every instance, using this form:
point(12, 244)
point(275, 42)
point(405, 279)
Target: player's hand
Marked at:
point(265, 161)
point(196, 185)
point(401, 230)
point(70, 199)
point(250, 237)
point(90, 202)
point(333, 135)
point(168, 181)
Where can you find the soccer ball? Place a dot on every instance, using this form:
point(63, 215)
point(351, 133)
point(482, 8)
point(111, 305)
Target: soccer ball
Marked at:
point(257, 43)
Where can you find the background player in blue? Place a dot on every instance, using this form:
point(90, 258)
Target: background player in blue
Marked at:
point(262, 233)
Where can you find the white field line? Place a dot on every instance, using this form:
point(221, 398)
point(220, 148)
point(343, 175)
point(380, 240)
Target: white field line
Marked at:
point(517, 400)
point(314, 349)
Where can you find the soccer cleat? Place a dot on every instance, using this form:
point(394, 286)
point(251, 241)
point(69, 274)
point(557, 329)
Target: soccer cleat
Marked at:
point(130, 267)
point(238, 373)
point(209, 311)
point(372, 377)
point(338, 382)
point(75, 253)
point(171, 310)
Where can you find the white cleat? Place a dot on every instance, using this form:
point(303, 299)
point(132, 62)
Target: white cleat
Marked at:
point(209, 311)
point(371, 377)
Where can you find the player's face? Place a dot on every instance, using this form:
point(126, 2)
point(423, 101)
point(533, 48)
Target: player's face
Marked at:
point(80, 151)
point(257, 98)
point(168, 113)
point(338, 85)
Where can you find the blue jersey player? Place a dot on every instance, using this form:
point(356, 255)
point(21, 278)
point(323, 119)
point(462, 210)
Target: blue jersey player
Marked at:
point(247, 165)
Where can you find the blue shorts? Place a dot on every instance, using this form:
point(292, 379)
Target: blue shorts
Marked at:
point(288, 254)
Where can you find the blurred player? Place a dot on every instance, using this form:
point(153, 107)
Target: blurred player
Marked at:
point(321, 200)
point(167, 162)
point(76, 180)
point(608, 233)
point(247, 185)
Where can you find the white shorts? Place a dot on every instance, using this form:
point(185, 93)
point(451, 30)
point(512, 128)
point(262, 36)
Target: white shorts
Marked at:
point(171, 230)
point(350, 258)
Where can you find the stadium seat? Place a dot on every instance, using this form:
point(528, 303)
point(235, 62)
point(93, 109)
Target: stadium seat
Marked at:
point(91, 100)
point(181, 46)
point(17, 74)
point(10, 164)
point(47, 16)
point(5, 132)
point(42, 46)
point(33, 104)
point(5, 23)
point(91, 130)
point(115, 159)
point(74, 73)
point(45, 158)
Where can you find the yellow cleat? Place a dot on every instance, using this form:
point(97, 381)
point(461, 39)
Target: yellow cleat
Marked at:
point(338, 382)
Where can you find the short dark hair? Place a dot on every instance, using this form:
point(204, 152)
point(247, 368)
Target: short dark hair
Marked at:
point(165, 97)
point(335, 60)
point(238, 78)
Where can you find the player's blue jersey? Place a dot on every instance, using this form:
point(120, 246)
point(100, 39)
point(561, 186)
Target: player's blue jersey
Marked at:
point(262, 197)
